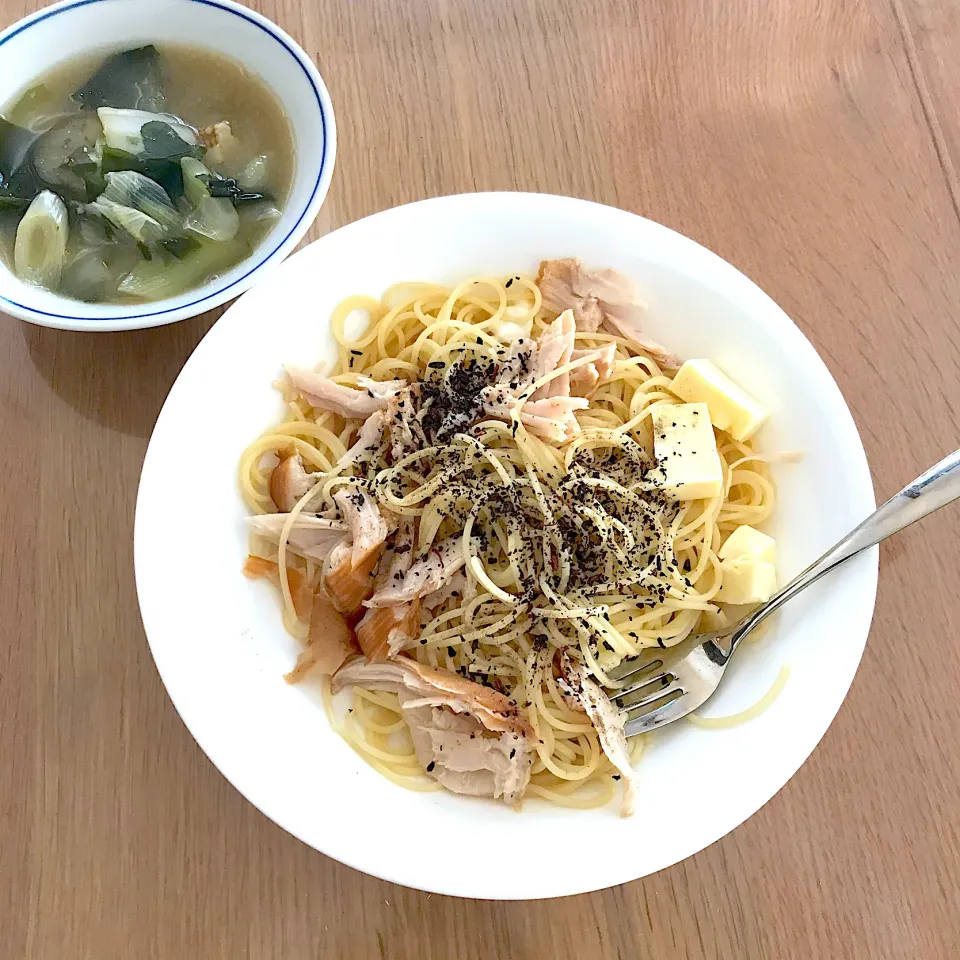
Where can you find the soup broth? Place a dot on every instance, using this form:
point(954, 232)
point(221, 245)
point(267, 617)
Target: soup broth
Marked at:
point(139, 175)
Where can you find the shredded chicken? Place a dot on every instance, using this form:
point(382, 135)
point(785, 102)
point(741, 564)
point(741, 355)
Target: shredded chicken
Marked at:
point(289, 481)
point(385, 631)
point(472, 739)
point(257, 568)
point(625, 319)
point(428, 574)
point(347, 585)
point(551, 417)
point(368, 442)
point(599, 298)
point(554, 349)
point(556, 411)
point(367, 527)
point(456, 586)
point(310, 537)
point(463, 759)
point(325, 394)
point(406, 433)
point(497, 713)
point(398, 556)
point(584, 693)
point(330, 642)
point(558, 281)
point(584, 380)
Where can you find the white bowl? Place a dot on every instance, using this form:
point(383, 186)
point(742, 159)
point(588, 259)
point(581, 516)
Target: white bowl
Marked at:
point(76, 28)
point(221, 650)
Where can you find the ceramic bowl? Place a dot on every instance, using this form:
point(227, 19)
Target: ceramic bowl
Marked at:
point(79, 28)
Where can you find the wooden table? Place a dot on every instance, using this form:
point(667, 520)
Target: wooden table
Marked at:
point(812, 144)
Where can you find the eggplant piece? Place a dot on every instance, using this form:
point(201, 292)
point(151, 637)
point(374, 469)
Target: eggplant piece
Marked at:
point(131, 80)
point(67, 157)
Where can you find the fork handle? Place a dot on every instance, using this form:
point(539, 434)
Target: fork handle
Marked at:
point(932, 490)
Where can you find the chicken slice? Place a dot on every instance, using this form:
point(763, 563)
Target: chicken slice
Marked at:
point(626, 319)
point(347, 585)
point(385, 631)
point(582, 692)
point(289, 481)
point(437, 688)
point(551, 417)
point(584, 380)
point(428, 574)
point(553, 350)
point(257, 568)
point(465, 760)
point(406, 432)
point(321, 392)
point(470, 738)
point(367, 527)
point(599, 297)
point(310, 537)
point(455, 587)
point(398, 556)
point(330, 642)
point(558, 281)
point(368, 442)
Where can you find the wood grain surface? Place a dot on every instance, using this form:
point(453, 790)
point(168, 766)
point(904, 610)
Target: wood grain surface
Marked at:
point(814, 144)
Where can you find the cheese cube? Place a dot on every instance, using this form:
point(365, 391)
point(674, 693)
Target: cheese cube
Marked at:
point(746, 580)
point(747, 542)
point(686, 451)
point(731, 408)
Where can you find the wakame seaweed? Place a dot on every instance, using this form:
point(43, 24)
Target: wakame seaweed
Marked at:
point(161, 142)
point(130, 80)
point(228, 188)
point(160, 170)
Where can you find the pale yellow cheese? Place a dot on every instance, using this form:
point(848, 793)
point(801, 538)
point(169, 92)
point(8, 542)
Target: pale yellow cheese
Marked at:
point(746, 580)
point(747, 542)
point(731, 408)
point(686, 451)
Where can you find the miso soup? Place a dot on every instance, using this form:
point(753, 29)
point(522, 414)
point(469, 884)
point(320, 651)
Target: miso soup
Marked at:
point(140, 175)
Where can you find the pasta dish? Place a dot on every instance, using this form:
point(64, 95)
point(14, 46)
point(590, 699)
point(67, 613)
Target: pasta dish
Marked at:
point(496, 495)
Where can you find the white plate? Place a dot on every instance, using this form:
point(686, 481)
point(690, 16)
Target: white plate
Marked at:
point(221, 650)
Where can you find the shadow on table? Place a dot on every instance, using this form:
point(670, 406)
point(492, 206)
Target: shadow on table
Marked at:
point(121, 379)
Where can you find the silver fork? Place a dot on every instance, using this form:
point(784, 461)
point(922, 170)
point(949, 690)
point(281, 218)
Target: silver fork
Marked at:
point(683, 677)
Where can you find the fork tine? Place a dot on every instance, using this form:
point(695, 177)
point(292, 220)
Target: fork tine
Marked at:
point(658, 682)
point(666, 713)
point(654, 698)
point(633, 674)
